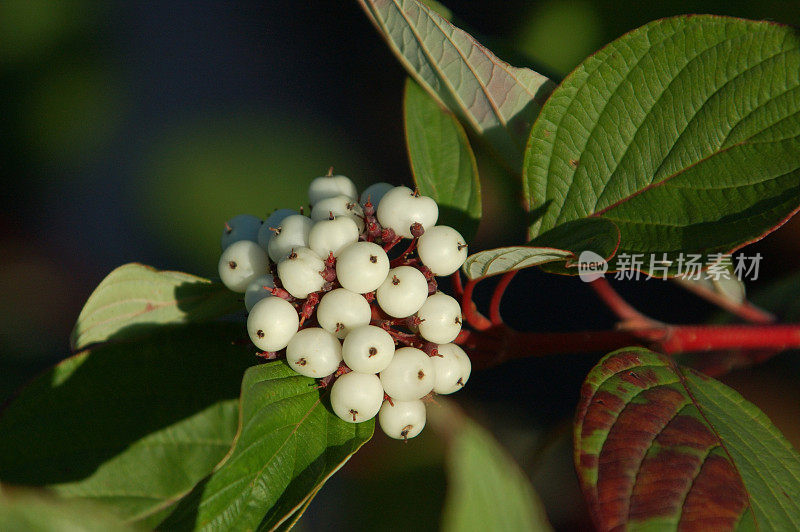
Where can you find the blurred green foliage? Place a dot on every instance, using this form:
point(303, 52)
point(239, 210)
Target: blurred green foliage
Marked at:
point(208, 170)
point(560, 33)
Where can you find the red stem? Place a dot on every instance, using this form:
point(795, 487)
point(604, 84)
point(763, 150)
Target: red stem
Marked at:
point(623, 310)
point(501, 344)
point(458, 287)
point(469, 311)
point(497, 296)
point(745, 310)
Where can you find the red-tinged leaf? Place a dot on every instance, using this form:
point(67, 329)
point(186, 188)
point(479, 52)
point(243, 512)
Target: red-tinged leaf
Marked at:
point(659, 446)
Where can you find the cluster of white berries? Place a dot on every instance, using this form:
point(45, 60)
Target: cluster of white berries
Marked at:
point(323, 292)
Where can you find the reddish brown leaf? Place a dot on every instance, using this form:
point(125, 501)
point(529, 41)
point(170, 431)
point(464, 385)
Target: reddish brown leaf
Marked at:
point(650, 453)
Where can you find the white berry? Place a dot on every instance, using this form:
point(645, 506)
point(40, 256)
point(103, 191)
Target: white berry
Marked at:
point(256, 290)
point(362, 267)
point(314, 352)
point(300, 272)
point(400, 208)
point(329, 187)
point(403, 292)
point(452, 369)
point(241, 263)
point(410, 375)
point(356, 397)
point(292, 233)
point(403, 419)
point(441, 318)
point(340, 311)
point(272, 323)
point(442, 249)
point(272, 222)
point(332, 235)
point(368, 349)
point(338, 206)
point(242, 227)
point(374, 193)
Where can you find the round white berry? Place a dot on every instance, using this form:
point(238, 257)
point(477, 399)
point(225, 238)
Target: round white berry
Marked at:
point(332, 235)
point(441, 318)
point(452, 369)
point(403, 419)
point(242, 227)
point(374, 193)
point(241, 263)
point(272, 222)
point(314, 352)
point(400, 208)
point(272, 322)
point(410, 375)
point(442, 249)
point(340, 311)
point(300, 272)
point(292, 233)
point(403, 292)
point(368, 349)
point(338, 206)
point(362, 267)
point(256, 290)
point(329, 187)
point(356, 397)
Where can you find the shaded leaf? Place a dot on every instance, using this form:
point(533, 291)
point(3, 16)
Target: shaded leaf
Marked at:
point(659, 446)
point(557, 251)
point(135, 294)
point(33, 513)
point(486, 490)
point(498, 101)
point(442, 161)
point(502, 260)
point(685, 133)
point(134, 425)
point(289, 443)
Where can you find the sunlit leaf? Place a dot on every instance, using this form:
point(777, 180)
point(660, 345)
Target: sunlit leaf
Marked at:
point(685, 133)
point(135, 298)
point(498, 101)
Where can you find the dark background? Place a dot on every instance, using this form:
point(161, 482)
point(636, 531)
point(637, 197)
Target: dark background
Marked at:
point(131, 130)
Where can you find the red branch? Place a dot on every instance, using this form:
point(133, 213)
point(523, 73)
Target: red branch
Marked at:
point(497, 296)
point(745, 310)
point(631, 318)
point(469, 311)
point(500, 344)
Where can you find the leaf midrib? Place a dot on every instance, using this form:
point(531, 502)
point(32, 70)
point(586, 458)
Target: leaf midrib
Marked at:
point(246, 494)
point(728, 42)
point(682, 380)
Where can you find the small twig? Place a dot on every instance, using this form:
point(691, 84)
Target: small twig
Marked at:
point(497, 296)
point(469, 311)
point(745, 310)
point(629, 316)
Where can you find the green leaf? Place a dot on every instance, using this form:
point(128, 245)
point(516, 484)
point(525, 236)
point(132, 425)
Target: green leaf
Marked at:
point(135, 299)
point(502, 260)
point(442, 161)
point(558, 250)
point(134, 425)
point(33, 513)
point(662, 447)
point(498, 101)
point(486, 490)
point(289, 443)
point(685, 133)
